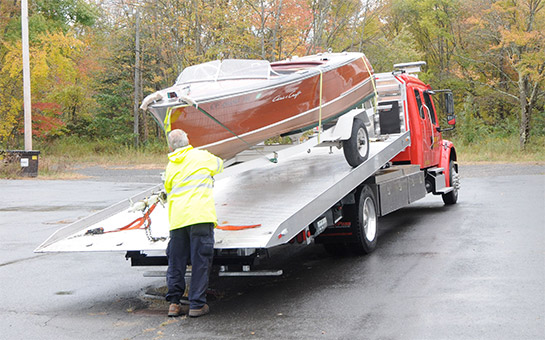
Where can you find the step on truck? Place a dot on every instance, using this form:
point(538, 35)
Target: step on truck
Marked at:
point(396, 155)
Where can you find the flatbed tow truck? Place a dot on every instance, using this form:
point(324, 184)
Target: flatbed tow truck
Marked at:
point(309, 195)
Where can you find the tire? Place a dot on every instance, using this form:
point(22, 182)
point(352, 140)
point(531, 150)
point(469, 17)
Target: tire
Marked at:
point(356, 149)
point(365, 223)
point(454, 180)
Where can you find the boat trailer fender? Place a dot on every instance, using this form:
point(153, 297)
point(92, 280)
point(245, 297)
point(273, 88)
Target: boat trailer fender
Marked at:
point(343, 127)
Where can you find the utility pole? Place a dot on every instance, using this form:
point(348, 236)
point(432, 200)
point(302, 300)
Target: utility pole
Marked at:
point(137, 78)
point(27, 104)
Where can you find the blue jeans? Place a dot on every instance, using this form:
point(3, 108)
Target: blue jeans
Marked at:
point(193, 244)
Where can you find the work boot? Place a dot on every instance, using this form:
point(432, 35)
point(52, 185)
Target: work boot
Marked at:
point(177, 309)
point(199, 312)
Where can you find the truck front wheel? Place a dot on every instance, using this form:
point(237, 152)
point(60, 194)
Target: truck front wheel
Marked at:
point(454, 180)
point(364, 225)
point(356, 149)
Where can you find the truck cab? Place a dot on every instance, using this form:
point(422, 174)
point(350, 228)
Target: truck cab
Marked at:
point(425, 147)
point(407, 103)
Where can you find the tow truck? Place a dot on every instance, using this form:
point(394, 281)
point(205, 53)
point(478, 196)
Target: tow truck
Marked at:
point(310, 195)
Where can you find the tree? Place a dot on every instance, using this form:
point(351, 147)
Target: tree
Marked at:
point(57, 80)
point(320, 10)
point(432, 23)
point(286, 29)
point(58, 77)
point(508, 55)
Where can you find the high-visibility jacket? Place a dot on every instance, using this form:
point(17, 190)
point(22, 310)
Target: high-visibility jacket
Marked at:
point(189, 184)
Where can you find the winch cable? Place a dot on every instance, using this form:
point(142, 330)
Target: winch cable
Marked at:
point(195, 105)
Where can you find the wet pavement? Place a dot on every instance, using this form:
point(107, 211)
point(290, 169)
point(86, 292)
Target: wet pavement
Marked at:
point(475, 270)
point(151, 174)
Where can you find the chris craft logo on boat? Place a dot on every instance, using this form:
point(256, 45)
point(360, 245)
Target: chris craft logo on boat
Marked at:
point(291, 95)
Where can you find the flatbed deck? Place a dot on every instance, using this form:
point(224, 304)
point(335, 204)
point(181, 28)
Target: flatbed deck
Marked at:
point(283, 199)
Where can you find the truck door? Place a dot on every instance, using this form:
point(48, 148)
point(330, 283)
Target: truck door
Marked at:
point(426, 129)
point(435, 152)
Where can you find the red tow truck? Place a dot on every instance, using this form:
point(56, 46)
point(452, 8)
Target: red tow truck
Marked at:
point(427, 165)
point(311, 194)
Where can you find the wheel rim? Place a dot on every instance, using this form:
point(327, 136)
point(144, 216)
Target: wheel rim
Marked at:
point(455, 180)
point(362, 142)
point(369, 219)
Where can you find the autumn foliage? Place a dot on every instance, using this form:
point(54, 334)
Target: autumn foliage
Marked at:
point(490, 52)
point(46, 120)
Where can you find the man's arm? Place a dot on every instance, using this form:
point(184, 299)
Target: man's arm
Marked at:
point(219, 166)
point(214, 164)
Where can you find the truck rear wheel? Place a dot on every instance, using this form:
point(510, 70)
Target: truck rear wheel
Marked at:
point(452, 197)
point(364, 224)
point(356, 149)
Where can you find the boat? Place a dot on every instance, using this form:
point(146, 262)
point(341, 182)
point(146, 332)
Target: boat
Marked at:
point(230, 105)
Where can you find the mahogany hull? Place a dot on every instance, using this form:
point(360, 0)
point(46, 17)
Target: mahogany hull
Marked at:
point(269, 110)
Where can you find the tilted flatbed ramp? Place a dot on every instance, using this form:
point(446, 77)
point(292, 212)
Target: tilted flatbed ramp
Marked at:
point(283, 199)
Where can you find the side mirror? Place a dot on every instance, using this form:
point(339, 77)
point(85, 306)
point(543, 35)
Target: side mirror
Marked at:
point(451, 119)
point(449, 104)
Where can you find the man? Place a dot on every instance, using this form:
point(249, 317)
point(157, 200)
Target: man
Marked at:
point(192, 217)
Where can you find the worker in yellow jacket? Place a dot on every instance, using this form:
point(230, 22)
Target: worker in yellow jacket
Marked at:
point(192, 216)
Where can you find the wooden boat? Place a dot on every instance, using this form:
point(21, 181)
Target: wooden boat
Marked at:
point(227, 106)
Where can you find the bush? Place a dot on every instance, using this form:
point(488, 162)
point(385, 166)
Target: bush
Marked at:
point(500, 149)
point(9, 169)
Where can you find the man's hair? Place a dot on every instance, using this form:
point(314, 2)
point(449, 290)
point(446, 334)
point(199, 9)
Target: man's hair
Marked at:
point(177, 139)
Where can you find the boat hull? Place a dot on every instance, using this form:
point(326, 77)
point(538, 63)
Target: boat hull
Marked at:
point(257, 114)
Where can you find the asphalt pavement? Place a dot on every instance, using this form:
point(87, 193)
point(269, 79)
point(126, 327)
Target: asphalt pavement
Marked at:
point(475, 270)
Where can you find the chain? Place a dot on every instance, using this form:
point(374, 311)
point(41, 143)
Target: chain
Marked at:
point(147, 228)
point(161, 198)
point(146, 206)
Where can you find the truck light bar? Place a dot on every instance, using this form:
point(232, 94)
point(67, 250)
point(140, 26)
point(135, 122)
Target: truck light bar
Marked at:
point(411, 68)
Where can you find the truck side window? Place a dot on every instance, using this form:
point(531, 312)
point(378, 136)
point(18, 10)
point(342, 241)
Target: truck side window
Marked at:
point(419, 103)
point(427, 100)
point(389, 120)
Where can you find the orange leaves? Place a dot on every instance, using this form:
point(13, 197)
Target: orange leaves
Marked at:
point(46, 120)
point(281, 26)
point(294, 23)
point(520, 38)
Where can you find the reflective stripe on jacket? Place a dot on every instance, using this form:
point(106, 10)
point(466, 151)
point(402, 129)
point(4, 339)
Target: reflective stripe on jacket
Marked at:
point(189, 184)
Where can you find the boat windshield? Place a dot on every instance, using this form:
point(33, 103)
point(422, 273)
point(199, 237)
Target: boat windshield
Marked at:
point(225, 70)
point(202, 72)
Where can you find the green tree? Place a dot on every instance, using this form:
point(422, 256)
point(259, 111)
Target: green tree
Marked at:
point(507, 55)
point(433, 25)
